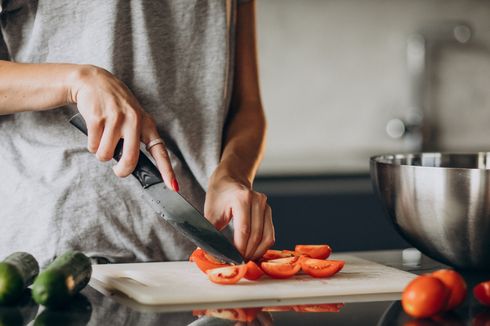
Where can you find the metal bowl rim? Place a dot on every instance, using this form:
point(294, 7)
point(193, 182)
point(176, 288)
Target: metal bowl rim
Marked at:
point(376, 160)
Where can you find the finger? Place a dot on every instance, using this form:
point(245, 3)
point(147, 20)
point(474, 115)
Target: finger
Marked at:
point(161, 157)
point(95, 130)
point(257, 224)
point(268, 236)
point(241, 223)
point(131, 147)
point(109, 140)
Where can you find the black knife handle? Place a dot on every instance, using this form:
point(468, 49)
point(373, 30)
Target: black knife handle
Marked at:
point(145, 171)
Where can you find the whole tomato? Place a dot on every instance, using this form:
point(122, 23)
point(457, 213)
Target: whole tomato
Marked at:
point(456, 285)
point(482, 293)
point(425, 296)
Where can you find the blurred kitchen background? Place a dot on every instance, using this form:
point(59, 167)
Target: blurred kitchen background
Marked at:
point(343, 80)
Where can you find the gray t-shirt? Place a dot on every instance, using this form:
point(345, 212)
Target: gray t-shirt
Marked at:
point(176, 57)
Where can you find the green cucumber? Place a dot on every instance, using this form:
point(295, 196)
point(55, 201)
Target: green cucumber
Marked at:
point(67, 275)
point(17, 272)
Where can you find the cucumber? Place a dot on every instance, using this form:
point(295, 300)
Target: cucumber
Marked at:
point(77, 312)
point(17, 272)
point(67, 275)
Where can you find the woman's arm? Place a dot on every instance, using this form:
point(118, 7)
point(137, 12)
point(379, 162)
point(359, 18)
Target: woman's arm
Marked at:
point(109, 108)
point(230, 193)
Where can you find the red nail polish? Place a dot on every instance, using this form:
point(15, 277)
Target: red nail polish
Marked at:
point(175, 185)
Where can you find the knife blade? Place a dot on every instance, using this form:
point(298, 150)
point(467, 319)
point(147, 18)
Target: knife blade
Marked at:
point(174, 208)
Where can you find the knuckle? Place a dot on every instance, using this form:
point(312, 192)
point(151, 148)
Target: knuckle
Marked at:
point(92, 148)
point(115, 117)
point(270, 241)
point(245, 195)
point(122, 173)
point(95, 121)
point(133, 116)
point(130, 160)
point(244, 230)
point(263, 197)
point(103, 156)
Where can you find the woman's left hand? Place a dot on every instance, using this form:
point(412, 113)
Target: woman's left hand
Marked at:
point(252, 216)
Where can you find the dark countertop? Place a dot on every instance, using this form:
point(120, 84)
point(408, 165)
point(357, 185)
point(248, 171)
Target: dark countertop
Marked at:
point(93, 308)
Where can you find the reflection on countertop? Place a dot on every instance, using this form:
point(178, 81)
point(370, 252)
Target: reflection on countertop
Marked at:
point(94, 308)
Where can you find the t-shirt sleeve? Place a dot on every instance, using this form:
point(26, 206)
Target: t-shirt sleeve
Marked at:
point(4, 54)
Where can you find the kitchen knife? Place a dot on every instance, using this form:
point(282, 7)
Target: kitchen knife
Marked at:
point(174, 208)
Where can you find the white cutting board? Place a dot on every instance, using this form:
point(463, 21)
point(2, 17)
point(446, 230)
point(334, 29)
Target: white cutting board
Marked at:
point(181, 283)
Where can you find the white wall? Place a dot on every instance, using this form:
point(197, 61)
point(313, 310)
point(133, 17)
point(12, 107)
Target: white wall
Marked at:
point(333, 72)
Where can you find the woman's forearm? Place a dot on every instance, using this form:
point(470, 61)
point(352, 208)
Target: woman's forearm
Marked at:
point(244, 135)
point(33, 87)
point(244, 145)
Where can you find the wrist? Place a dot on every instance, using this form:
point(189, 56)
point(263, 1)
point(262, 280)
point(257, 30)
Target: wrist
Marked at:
point(225, 174)
point(77, 77)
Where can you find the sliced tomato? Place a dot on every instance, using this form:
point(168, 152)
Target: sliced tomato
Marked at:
point(482, 293)
point(236, 314)
point(321, 268)
point(329, 307)
point(281, 268)
point(227, 275)
point(198, 312)
point(314, 251)
point(278, 308)
point(291, 253)
point(276, 254)
point(253, 271)
point(205, 261)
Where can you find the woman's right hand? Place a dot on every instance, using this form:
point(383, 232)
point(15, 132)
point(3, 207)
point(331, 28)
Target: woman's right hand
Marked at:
point(111, 112)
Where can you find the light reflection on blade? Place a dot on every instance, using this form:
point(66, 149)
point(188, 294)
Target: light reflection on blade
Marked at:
point(190, 222)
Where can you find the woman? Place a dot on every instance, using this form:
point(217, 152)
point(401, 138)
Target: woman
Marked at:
point(180, 71)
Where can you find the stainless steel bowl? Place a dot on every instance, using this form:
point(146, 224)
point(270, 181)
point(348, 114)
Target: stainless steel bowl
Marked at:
point(440, 203)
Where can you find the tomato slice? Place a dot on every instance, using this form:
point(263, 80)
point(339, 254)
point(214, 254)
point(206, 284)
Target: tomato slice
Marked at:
point(205, 261)
point(329, 307)
point(281, 268)
point(278, 308)
point(235, 314)
point(314, 251)
point(482, 293)
point(227, 275)
point(276, 254)
point(253, 271)
point(321, 268)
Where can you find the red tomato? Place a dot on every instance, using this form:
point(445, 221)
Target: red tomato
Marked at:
point(481, 319)
point(314, 251)
point(456, 285)
point(227, 275)
point(253, 271)
point(329, 307)
point(281, 268)
point(205, 261)
point(278, 308)
point(276, 254)
point(482, 293)
point(425, 296)
point(321, 268)
point(236, 314)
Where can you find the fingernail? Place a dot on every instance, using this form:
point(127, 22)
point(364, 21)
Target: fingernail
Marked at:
point(175, 185)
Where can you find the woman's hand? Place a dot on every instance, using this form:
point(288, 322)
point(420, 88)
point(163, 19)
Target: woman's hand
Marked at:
point(111, 112)
point(252, 216)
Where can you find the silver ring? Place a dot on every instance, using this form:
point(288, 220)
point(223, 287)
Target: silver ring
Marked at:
point(154, 142)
